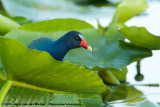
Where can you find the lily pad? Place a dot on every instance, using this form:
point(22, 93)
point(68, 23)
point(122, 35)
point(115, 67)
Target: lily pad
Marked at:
point(38, 70)
point(107, 50)
point(129, 8)
point(139, 36)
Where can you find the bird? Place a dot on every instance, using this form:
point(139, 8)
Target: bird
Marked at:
point(59, 48)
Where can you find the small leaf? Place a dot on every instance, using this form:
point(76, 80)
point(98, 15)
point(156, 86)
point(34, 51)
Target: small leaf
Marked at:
point(7, 24)
point(100, 26)
point(129, 8)
point(139, 36)
point(21, 20)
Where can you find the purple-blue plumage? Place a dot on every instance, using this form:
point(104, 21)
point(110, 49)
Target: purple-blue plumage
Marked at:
point(58, 49)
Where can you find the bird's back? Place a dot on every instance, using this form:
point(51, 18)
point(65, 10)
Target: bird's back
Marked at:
point(40, 43)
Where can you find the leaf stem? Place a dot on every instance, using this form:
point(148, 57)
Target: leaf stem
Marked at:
point(2, 74)
point(150, 85)
point(4, 91)
point(108, 77)
point(138, 67)
point(139, 76)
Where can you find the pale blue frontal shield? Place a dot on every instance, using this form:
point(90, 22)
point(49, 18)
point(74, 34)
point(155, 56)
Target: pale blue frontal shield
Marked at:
point(80, 35)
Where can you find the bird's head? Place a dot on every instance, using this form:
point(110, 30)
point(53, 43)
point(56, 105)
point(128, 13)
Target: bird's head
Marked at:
point(75, 39)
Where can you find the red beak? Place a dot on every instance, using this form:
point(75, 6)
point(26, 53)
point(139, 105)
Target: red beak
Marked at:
point(85, 45)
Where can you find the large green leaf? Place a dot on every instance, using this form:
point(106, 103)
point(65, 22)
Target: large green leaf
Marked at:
point(139, 36)
point(129, 8)
point(7, 24)
point(38, 70)
point(18, 96)
point(50, 28)
point(107, 50)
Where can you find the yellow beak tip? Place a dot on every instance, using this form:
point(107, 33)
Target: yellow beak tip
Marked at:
point(89, 48)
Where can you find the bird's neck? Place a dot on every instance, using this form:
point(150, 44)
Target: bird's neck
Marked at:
point(59, 49)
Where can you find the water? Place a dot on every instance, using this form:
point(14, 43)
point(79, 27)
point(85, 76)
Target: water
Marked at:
point(149, 66)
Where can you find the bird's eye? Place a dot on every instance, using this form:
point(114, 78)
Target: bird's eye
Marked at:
point(77, 39)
